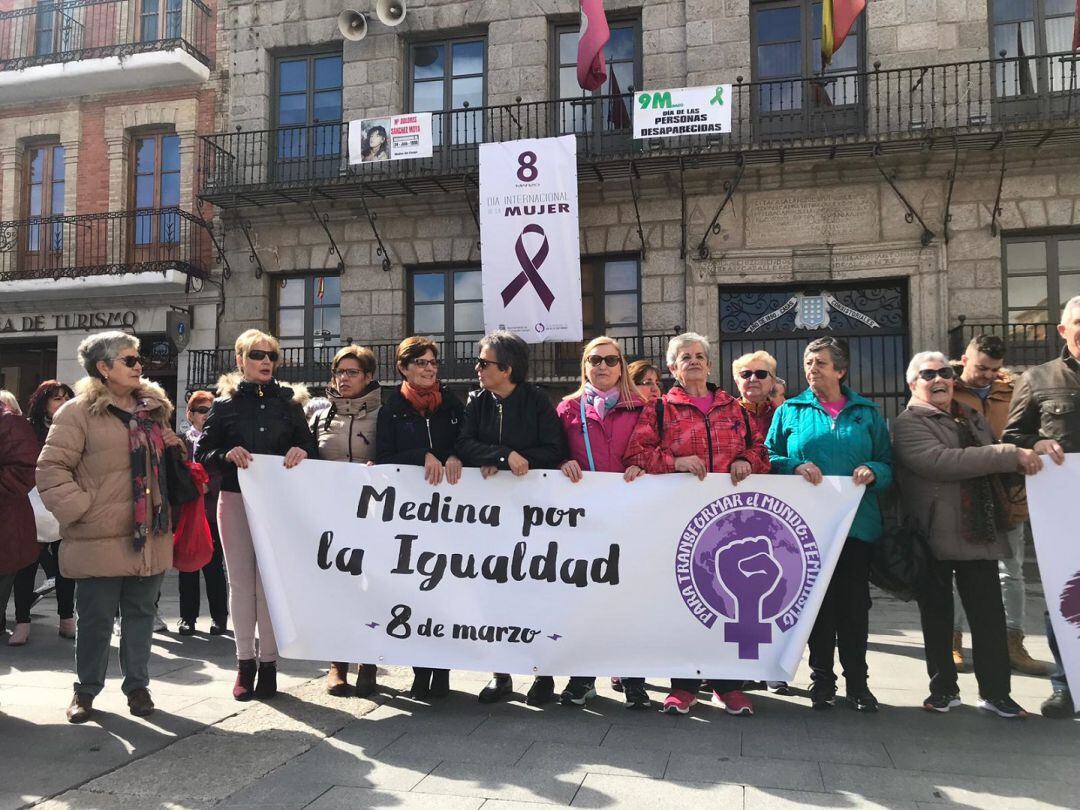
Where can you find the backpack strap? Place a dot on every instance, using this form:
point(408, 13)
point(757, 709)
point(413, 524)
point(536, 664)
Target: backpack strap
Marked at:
point(659, 405)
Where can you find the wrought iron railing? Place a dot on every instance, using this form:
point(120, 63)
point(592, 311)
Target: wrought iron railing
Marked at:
point(110, 243)
point(874, 106)
point(548, 362)
point(1026, 344)
point(70, 30)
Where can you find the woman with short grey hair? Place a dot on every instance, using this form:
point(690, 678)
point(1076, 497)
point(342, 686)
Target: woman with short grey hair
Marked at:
point(677, 343)
point(917, 361)
point(102, 475)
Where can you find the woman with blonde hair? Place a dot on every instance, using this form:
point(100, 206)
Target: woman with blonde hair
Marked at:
point(646, 376)
point(598, 420)
point(253, 414)
point(345, 431)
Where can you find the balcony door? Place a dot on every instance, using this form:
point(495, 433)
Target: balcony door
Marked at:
point(57, 30)
point(448, 78)
point(308, 324)
point(155, 229)
point(160, 20)
point(308, 111)
point(792, 96)
point(43, 242)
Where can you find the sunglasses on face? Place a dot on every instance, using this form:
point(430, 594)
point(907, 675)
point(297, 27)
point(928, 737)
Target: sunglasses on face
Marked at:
point(482, 364)
point(201, 410)
point(760, 373)
point(351, 373)
point(130, 360)
point(260, 354)
point(610, 360)
point(425, 363)
point(928, 374)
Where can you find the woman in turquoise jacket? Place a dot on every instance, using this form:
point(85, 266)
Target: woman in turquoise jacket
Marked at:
point(831, 430)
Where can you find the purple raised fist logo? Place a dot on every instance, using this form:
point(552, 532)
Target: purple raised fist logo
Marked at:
point(1070, 600)
point(751, 559)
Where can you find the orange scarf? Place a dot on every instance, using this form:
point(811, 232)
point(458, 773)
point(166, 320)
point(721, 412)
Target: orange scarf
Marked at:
point(425, 400)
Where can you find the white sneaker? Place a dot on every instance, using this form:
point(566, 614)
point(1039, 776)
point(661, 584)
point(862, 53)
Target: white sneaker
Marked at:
point(116, 627)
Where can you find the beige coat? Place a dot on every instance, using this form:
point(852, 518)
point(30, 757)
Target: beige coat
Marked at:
point(930, 465)
point(84, 477)
point(346, 432)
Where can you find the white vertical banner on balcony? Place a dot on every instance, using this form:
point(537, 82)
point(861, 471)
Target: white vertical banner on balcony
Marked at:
point(531, 255)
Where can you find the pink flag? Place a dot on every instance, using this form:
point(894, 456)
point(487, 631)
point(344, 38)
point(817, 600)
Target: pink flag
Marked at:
point(590, 53)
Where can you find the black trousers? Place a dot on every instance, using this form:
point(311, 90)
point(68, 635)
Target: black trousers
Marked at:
point(49, 560)
point(217, 589)
point(843, 623)
point(979, 587)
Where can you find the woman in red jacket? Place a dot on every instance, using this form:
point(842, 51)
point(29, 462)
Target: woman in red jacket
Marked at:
point(704, 430)
point(598, 420)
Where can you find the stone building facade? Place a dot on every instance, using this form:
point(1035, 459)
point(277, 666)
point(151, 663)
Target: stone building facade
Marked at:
point(925, 187)
point(102, 104)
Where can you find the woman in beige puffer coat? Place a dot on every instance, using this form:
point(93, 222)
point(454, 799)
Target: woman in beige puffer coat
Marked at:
point(101, 475)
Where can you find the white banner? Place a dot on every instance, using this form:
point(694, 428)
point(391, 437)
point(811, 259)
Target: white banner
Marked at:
point(1050, 495)
point(392, 137)
point(684, 111)
point(531, 260)
point(665, 576)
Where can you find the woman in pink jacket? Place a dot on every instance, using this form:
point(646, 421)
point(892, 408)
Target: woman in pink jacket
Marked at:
point(598, 420)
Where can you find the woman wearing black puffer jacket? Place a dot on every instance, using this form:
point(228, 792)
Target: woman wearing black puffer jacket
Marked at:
point(419, 425)
point(254, 414)
point(510, 425)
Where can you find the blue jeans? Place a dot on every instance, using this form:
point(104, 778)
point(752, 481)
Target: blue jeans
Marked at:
point(1057, 677)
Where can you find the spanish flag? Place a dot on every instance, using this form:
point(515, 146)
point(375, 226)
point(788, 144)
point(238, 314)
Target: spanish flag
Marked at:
point(837, 19)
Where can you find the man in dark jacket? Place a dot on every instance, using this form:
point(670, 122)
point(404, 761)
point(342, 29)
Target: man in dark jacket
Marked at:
point(1045, 416)
point(18, 541)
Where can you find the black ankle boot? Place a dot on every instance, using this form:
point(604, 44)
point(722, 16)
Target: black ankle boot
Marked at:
point(421, 683)
point(244, 687)
point(267, 683)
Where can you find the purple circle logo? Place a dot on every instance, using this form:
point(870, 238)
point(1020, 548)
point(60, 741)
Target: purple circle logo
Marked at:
point(752, 559)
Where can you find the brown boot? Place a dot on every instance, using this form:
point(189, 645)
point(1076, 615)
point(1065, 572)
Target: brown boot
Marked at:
point(1019, 658)
point(140, 703)
point(337, 680)
point(365, 680)
point(81, 708)
point(958, 651)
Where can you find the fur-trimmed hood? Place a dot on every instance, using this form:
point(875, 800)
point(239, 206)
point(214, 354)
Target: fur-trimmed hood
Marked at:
point(229, 384)
point(98, 397)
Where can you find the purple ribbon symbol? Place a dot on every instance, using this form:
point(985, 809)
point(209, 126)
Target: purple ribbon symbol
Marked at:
point(529, 269)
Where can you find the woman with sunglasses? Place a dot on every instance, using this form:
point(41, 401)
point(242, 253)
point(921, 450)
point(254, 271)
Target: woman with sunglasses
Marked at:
point(947, 470)
point(252, 414)
point(419, 426)
point(598, 420)
point(646, 378)
point(217, 589)
point(43, 405)
point(702, 430)
point(829, 429)
point(510, 424)
point(345, 431)
point(102, 475)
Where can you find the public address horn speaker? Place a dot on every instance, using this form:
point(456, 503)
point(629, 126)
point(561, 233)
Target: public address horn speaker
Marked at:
point(352, 25)
point(390, 12)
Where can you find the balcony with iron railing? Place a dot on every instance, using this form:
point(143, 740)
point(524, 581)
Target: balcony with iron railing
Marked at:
point(1026, 344)
point(975, 105)
point(169, 241)
point(63, 48)
point(549, 363)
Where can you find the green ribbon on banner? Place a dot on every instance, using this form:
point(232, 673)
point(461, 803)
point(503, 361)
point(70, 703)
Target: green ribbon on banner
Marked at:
point(718, 97)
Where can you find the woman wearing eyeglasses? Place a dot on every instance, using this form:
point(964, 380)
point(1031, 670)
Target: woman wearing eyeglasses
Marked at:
point(947, 469)
point(102, 475)
point(829, 429)
point(346, 432)
point(252, 414)
point(510, 424)
point(217, 589)
point(703, 430)
point(646, 378)
point(419, 425)
point(598, 420)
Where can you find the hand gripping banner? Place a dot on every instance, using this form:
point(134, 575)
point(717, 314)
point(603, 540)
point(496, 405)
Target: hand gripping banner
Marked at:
point(531, 264)
point(524, 574)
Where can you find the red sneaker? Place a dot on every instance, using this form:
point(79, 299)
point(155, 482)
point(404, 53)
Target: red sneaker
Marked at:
point(678, 702)
point(735, 702)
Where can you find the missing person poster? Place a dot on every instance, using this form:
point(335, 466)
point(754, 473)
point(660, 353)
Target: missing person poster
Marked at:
point(685, 111)
point(392, 137)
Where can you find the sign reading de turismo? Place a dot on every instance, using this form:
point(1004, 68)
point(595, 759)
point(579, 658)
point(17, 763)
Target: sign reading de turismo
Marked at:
point(685, 111)
point(531, 263)
point(524, 574)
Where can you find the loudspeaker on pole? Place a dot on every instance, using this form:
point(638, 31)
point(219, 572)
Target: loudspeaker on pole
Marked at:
point(390, 12)
point(352, 25)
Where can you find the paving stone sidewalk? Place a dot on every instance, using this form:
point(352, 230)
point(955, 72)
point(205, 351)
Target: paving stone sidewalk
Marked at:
point(306, 749)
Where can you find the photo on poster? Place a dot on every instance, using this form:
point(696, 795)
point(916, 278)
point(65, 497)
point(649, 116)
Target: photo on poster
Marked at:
point(393, 137)
point(376, 143)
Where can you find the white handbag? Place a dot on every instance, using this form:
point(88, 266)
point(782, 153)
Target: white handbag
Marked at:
point(48, 528)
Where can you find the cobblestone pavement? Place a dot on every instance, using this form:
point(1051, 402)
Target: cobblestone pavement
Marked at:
point(307, 749)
